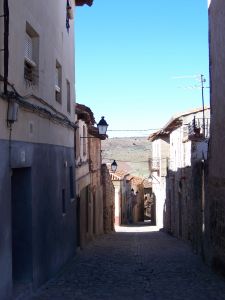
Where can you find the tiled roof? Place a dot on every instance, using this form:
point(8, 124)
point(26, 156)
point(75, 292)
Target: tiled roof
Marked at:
point(137, 180)
point(84, 113)
point(129, 177)
point(119, 174)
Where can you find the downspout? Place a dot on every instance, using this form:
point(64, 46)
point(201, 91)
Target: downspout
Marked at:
point(6, 68)
point(6, 44)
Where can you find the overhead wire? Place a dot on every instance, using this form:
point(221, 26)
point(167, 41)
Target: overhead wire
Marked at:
point(54, 116)
point(140, 161)
point(150, 129)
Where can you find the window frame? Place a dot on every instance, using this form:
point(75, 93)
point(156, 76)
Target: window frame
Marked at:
point(58, 82)
point(31, 55)
point(68, 96)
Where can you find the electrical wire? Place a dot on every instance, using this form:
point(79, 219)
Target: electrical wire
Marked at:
point(128, 161)
point(150, 129)
point(140, 161)
point(54, 116)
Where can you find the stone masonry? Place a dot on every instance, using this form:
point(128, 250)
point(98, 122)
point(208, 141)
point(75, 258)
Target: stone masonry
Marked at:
point(108, 200)
point(135, 263)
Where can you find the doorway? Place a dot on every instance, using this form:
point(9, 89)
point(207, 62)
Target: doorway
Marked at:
point(22, 264)
point(180, 213)
point(78, 221)
point(94, 214)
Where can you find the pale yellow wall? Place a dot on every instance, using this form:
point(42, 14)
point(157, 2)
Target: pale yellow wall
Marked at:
point(82, 142)
point(31, 128)
point(117, 202)
point(48, 20)
point(82, 181)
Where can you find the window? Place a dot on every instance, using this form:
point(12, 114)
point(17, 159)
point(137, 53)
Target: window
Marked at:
point(58, 82)
point(68, 96)
point(29, 48)
point(31, 55)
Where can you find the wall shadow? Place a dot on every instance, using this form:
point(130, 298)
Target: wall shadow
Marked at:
point(184, 208)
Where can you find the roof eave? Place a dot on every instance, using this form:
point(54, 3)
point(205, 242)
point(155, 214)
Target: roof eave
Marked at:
point(83, 2)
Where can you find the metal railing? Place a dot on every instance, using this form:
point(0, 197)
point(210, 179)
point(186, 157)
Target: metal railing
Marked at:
point(198, 128)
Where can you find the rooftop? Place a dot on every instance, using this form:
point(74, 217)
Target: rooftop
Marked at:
point(175, 122)
point(82, 2)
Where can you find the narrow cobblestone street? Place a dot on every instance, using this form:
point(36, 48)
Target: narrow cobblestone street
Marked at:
point(135, 263)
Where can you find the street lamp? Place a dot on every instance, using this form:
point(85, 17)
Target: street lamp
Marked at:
point(102, 126)
point(113, 166)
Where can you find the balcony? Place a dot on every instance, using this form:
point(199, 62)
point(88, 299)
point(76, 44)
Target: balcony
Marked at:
point(155, 164)
point(197, 129)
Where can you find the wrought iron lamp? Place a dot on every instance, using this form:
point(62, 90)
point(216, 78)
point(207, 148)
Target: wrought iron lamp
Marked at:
point(102, 126)
point(113, 166)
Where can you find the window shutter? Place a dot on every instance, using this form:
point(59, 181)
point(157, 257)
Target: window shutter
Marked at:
point(28, 47)
point(57, 76)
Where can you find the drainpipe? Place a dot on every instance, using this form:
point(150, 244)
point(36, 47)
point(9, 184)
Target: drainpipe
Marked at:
point(6, 44)
point(6, 67)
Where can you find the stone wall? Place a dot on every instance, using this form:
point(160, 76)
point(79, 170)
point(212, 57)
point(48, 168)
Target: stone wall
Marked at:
point(108, 200)
point(184, 209)
point(215, 179)
point(215, 223)
point(96, 185)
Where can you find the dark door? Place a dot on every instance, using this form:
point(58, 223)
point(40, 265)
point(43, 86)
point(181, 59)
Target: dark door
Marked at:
point(169, 208)
point(94, 213)
point(180, 213)
point(78, 221)
point(22, 266)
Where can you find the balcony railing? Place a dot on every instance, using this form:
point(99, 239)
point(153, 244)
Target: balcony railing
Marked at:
point(197, 128)
point(155, 164)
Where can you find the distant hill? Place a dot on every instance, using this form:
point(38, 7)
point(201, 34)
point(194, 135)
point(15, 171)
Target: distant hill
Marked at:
point(131, 154)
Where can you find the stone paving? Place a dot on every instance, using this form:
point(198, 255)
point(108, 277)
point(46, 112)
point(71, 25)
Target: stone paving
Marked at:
point(135, 263)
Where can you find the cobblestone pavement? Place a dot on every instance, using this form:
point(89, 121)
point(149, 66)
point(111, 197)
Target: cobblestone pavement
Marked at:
point(135, 263)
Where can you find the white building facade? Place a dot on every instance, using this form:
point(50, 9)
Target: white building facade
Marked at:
point(160, 155)
point(175, 149)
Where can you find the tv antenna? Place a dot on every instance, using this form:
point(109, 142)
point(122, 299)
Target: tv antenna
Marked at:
point(202, 80)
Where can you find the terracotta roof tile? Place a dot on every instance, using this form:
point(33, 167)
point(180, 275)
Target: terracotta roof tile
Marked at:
point(85, 113)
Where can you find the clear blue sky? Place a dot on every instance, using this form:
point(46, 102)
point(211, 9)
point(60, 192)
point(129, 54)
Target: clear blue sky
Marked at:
point(127, 53)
